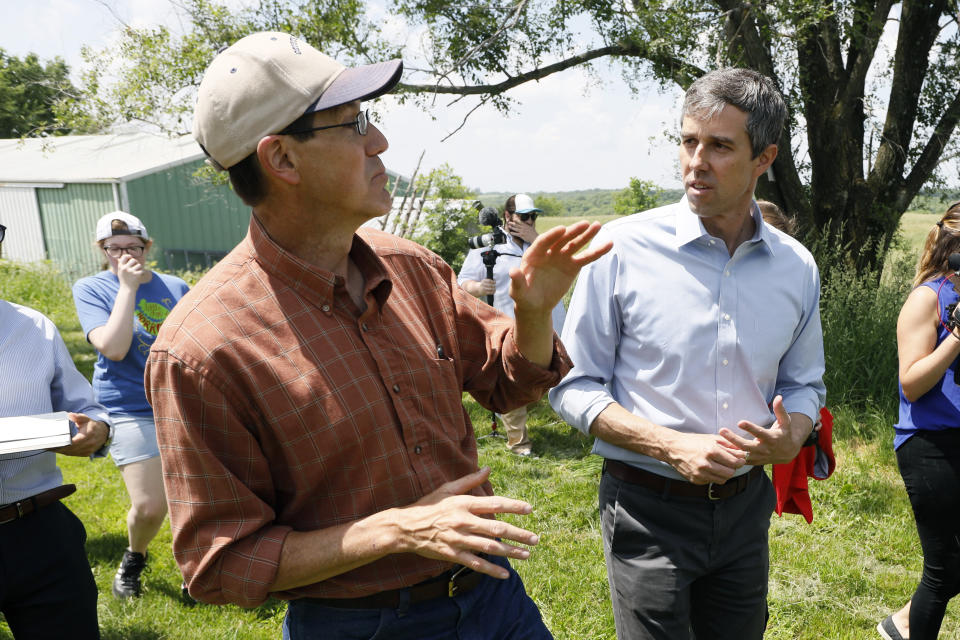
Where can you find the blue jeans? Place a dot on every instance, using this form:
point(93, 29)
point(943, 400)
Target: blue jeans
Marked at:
point(494, 610)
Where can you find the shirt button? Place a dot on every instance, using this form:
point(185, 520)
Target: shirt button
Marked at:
point(726, 316)
point(396, 388)
point(724, 362)
point(325, 308)
point(713, 242)
point(727, 273)
point(417, 449)
point(724, 405)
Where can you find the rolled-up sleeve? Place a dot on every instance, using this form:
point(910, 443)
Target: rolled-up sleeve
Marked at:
point(217, 480)
point(495, 372)
point(800, 376)
point(591, 334)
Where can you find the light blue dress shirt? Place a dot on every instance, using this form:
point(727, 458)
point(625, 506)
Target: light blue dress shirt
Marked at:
point(37, 375)
point(511, 253)
point(676, 330)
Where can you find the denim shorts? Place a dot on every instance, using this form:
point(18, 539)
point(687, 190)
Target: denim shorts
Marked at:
point(134, 438)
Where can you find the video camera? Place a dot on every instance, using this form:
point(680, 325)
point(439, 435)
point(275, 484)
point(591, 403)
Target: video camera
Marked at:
point(489, 217)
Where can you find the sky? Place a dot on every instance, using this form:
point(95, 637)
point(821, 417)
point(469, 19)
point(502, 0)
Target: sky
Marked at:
point(564, 135)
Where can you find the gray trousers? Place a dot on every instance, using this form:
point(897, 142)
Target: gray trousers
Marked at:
point(687, 568)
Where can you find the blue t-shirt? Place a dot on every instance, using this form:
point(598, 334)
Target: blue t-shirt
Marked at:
point(118, 385)
point(938, 408)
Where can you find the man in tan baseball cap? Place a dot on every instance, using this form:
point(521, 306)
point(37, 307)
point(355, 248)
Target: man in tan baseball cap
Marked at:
point(307, 392)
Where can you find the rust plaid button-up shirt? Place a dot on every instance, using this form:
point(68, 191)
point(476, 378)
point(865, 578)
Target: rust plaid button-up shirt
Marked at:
point(281, 406)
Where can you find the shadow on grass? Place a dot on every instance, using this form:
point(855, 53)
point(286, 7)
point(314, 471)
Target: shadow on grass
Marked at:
point(106, 548)
point(866, 497)
point(130, 634)
point(270, 609)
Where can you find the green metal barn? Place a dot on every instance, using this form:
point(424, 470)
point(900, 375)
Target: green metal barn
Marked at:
point(53, 190)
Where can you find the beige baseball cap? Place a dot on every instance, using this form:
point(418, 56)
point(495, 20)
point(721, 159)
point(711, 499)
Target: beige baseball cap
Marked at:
point(263, 82)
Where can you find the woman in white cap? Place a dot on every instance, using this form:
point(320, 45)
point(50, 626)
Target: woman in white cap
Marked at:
point(121, 309)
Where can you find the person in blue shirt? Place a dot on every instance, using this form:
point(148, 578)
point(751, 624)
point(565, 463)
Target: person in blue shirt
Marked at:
point(519, 217)
point(121, 310)
point(46, 584)
point(927, 434)
point(698, 358)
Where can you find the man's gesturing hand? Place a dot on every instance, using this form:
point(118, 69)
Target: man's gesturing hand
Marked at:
point(450, 525)
point(550, 266)
point(777, 444)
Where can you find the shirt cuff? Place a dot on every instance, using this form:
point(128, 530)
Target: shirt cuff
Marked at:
point(519, 368)
point(105, 447)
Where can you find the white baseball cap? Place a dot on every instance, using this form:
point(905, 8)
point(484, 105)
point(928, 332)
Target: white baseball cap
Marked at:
point(524, 204)
point(134, 226)
point(263, 82)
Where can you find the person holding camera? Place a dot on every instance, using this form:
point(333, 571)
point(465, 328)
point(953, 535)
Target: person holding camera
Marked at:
point(927, 434)
point(308, 392)
point(698, 358)
point(519, 216)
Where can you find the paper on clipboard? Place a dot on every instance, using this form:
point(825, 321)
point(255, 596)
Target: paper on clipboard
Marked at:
point(28, 433)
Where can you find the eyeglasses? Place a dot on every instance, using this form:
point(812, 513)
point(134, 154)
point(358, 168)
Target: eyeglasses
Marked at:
point(527, 216)
point(115, 252)
point(361, 123)
point(3, 232)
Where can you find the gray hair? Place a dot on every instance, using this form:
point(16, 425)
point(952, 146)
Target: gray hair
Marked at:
point(748, 91)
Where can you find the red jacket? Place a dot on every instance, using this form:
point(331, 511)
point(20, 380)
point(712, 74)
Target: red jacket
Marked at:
point(817, 462)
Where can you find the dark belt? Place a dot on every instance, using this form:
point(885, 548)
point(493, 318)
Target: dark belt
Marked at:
point(21, 508)
point(671, 487)
point(451, 583)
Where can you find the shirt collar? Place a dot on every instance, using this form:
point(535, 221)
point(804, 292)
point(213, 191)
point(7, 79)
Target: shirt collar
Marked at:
point(310, 281)
point(690, 228)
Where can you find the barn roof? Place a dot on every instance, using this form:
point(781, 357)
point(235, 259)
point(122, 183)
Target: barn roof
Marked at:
point(103, 158)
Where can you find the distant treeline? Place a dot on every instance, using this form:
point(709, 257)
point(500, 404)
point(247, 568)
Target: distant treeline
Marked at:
point(586, 203)
point(595, 202)
point(935, 201)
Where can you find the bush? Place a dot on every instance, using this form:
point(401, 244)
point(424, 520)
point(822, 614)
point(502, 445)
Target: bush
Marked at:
point(445, 229)
point(859, 314)
point(40, 286)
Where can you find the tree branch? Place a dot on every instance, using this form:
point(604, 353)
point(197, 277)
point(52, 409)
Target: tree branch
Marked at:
point(684, 73)
point(464, 122)
point(863, 48)
point(919, 26)
point(511, 22)
point(932, 152)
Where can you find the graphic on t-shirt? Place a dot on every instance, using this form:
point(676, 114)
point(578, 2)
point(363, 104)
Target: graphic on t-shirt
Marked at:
point(151, 315)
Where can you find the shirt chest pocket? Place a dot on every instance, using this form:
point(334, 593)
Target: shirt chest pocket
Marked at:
point(436, 397)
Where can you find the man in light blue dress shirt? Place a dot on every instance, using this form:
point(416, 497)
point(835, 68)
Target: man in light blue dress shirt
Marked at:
point(520, 216)
point(698, 358)
point(46, 588)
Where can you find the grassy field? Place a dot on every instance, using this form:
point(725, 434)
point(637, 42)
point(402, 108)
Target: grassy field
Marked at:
point(832, 579)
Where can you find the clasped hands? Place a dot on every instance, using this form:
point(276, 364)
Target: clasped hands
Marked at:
point(705, 458)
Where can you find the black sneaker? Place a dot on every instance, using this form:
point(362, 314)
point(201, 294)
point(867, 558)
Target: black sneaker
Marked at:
point(126, 584)
point(185, 595)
